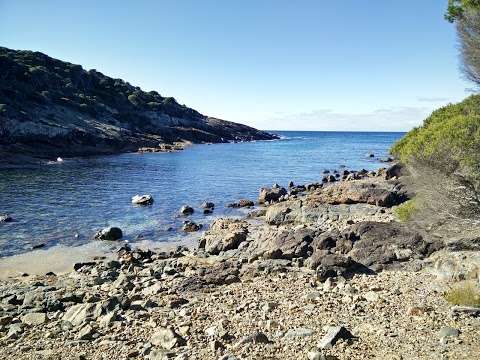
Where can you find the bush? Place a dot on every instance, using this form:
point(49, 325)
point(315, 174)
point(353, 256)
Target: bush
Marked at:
point(405, 211)
point(464, 294)
point(449, 141)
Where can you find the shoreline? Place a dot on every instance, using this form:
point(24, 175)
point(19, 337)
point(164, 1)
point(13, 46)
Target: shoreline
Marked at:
point(276, 283)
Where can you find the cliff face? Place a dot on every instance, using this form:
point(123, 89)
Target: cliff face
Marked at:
point(51, 108)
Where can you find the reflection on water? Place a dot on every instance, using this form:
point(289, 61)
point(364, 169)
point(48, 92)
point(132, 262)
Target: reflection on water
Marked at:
point(65, 203)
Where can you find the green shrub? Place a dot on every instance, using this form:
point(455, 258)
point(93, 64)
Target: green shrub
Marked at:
point(449, 140)
point(465, 294)
point(405, 211)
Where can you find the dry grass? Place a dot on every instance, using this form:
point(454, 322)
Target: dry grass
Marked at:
point(466, 293)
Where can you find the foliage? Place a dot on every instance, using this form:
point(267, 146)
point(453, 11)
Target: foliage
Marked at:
point(449, 140)
point(464, 294)
point(457, 8)
point(405, 211)
point(30, 79)
point(466, 15)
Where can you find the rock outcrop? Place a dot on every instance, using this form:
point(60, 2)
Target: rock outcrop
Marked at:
point(51, 108)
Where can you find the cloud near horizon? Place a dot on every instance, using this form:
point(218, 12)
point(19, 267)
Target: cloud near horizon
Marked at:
point(384, 119)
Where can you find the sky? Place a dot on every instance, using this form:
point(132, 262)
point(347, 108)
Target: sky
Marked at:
point(356, 65)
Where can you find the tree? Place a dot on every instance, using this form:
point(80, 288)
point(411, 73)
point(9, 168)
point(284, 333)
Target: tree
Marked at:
point(466, 15)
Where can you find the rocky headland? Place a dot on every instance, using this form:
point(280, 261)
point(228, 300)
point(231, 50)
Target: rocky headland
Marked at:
point(50, 108)
point(317, 271)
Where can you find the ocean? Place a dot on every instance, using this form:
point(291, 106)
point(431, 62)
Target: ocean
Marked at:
point(66, 203)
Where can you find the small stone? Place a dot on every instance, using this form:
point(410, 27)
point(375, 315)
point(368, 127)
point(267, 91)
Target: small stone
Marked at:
point(14, 331)
point(167, 338)
point(299, 332)
point(371, 296)
point(5, 320)
point(216, 345)
point(255, 338)
point(34, 319)
point(315, 355)
point(415, 311)
point(269, 306)
point(448, 331)
point(86, 333)
point(334, 333)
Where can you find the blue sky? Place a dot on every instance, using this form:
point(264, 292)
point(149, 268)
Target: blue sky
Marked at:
point(274, 64)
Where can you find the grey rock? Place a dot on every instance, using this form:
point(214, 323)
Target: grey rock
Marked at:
point(256, 338)
point(34, 319)
point(167, 338)
point(14, 331)
point(299, 332)
point(223, 235)
point(267, 195)
point(334, 334)
point(448, 331)
point(85, 333)
point(142, 200)
point(77, 314)
point(109, 233)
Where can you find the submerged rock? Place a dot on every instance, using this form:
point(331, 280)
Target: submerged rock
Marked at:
point(109, 233)
point(142, 200)
point(242, 203)
point(208, 205)
point(191, 226)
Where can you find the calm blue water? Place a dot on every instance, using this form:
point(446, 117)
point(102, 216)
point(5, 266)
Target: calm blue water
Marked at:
point(66, 203)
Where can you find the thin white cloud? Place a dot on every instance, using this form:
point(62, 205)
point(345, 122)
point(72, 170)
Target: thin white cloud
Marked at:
point(383, 119)
point(433, 99)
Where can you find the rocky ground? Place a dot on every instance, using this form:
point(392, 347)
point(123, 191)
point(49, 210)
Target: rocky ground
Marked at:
point(320, 271)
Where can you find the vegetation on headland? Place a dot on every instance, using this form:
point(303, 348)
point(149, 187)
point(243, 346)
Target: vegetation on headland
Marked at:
point(449, 140)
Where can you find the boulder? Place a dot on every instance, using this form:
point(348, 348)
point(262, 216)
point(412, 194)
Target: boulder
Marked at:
point(286, 244)
point(270, 195)
point(242, 203)
point(109, 233)
point(208, 205)
point(368, 191)
point(142, 200)
point(393, 171)
point(378, 244)
point(186, 210)
point(4, 218)
point(223, 235)
point(191, 226)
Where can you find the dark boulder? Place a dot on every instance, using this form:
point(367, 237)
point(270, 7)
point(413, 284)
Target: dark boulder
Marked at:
point(186, 210)
point(109, 233)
